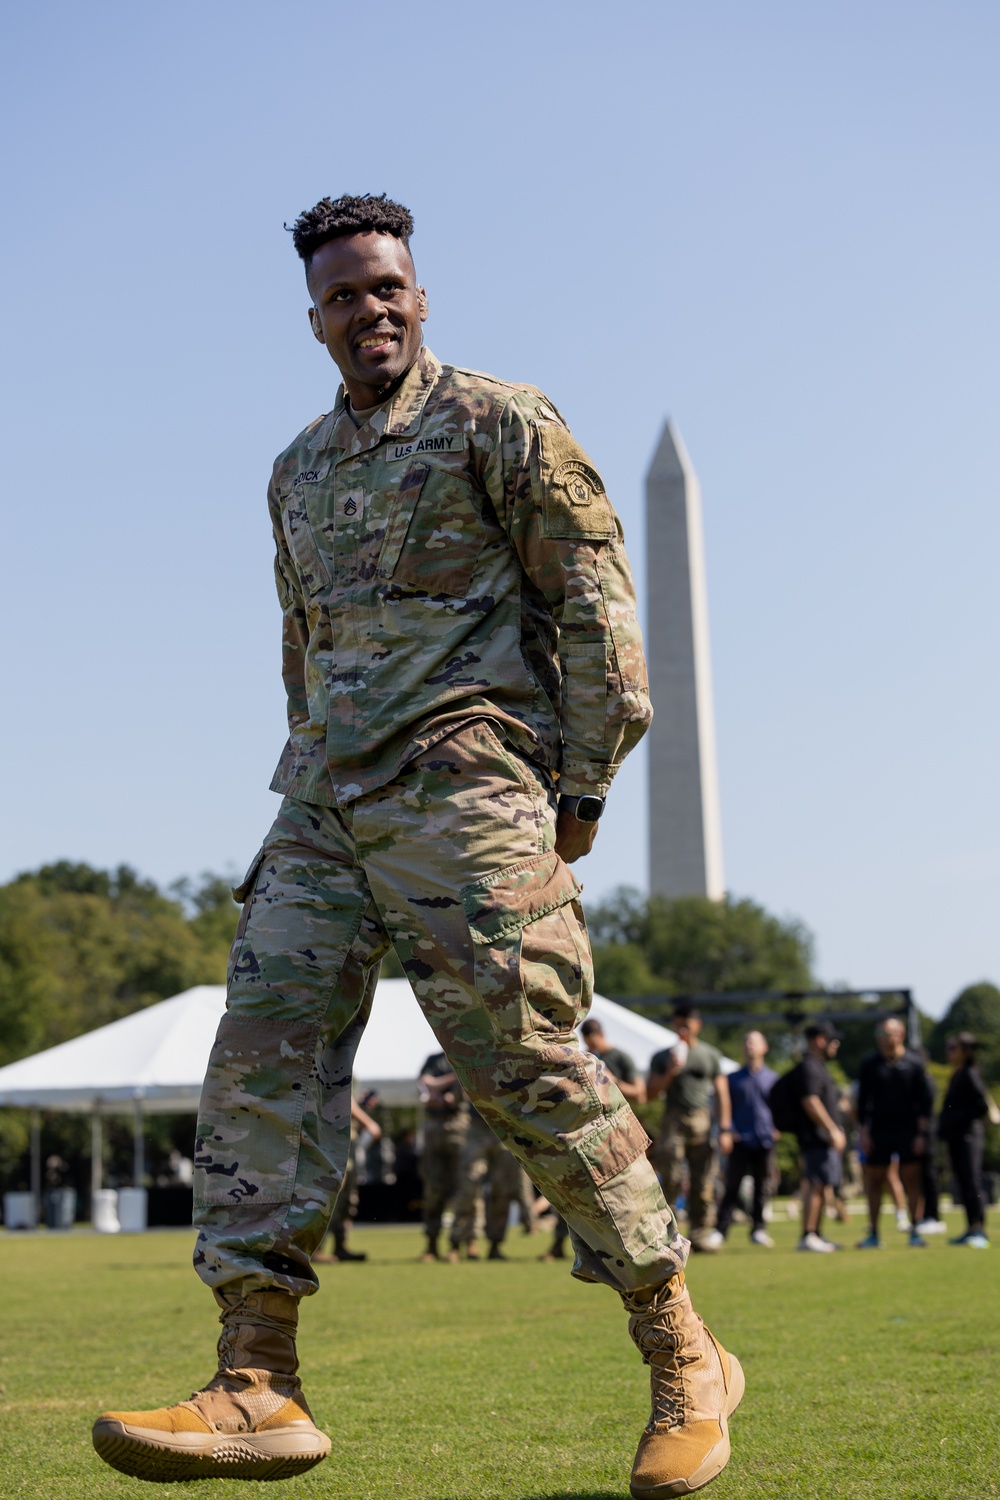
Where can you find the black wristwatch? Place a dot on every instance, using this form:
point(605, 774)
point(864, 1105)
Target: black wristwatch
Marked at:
point(585, 809)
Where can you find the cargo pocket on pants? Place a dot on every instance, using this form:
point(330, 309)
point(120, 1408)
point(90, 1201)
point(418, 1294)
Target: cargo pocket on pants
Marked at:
point(606, 1152)
point(250, 1118)
point(243, 896)
point(532, 957)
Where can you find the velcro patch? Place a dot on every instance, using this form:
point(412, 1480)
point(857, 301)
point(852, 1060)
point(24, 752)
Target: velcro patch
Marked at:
point(574, 500)
point(310, 476)
point(444, 442)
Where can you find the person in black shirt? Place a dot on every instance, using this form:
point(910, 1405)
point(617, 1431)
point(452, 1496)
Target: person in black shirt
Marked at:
point(820, 1135)
point(895, 1099)
point(966, 1104)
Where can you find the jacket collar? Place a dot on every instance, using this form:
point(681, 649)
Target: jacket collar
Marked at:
point(401, 418)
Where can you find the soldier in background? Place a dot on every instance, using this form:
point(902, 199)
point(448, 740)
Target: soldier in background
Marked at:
point(446, 1130)
point(464, 675)
point(690, 1076)
point(490, 1180)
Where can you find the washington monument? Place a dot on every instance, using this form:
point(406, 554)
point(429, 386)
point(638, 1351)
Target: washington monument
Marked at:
point(685, 833)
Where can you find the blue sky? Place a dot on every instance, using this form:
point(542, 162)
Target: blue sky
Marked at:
point(776, 223)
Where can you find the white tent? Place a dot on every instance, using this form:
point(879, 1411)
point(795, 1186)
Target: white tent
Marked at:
point(154, 1060)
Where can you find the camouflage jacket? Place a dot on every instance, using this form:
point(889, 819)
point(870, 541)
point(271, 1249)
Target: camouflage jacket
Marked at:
point(455, 557)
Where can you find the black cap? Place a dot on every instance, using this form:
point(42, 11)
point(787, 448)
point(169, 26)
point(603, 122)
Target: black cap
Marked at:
point(823, 1028)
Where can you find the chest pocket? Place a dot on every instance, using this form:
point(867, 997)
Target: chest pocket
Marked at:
point(309, 564)
point(435, 533)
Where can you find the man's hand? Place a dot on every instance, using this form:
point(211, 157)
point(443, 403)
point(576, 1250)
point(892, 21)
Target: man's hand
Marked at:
point(838, 1140)
point(573, 838)
point(725, 1141)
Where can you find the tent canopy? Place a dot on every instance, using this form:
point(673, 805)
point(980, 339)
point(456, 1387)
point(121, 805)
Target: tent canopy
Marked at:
point(155, 1059)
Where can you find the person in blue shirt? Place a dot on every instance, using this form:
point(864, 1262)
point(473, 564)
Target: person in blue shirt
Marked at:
point(754, 1136)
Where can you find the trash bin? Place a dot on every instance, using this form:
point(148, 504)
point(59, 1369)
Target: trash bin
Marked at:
point(132, 1210)
point(104, 1211)
point(20, 1211)
point(60, 1208)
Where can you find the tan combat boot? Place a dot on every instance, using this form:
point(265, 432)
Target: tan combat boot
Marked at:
point(250, 1422)
point(696, 1386)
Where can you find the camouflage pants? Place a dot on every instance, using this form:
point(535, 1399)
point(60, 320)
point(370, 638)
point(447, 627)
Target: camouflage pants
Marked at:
point(454, 864)
point(441, 1168)
point(685, 1135)
point(485, 1165)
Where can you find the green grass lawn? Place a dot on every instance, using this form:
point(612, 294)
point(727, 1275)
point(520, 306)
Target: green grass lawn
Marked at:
point(868, 1376)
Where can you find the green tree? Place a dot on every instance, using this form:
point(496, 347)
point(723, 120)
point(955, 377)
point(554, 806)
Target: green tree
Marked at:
point(695, 946)
point(975, 1009)
point(80, 947)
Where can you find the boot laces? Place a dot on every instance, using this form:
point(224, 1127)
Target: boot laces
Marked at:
point(661, 1340)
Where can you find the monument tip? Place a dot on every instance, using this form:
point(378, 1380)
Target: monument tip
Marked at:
point(670, 458)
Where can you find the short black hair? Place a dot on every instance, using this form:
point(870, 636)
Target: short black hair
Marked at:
point(332, 217)
point(591, 1026)
point(685, 1010)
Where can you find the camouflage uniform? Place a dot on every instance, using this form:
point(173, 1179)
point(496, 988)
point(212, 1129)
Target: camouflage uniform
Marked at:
point(485, 1165)
point(459, 630)
point(446, 1129)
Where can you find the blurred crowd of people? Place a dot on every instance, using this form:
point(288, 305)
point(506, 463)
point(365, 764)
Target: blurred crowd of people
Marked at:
point(714, 1145)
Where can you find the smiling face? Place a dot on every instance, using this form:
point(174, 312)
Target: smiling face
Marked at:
point(367, 310)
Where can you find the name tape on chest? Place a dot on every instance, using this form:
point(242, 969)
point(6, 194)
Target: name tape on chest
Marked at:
point(448, 442)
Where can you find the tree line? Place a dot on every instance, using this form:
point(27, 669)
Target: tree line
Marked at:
point(80, 947)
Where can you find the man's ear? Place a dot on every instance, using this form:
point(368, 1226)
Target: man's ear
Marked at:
point(422, 304)
point(316, 325)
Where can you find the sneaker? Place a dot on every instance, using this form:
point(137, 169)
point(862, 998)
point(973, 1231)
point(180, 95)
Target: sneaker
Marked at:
point(977, 1241)
point(902, 1221)
point(251, 1421)
point(833, 1244)
point(961, 1239)
point(917, 1241)
point(816, 1244)
point(761, 1237)
point(870, 1242)
point(711, 1241)
point(932, 1226)
point(695, 1387)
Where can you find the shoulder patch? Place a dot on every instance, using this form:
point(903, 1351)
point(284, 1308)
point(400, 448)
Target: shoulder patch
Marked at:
point(574, 500)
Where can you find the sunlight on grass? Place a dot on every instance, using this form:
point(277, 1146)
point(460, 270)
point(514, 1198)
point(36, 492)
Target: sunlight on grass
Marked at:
point(867, 1376)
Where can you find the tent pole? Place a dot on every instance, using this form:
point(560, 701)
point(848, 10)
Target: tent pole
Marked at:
point(138, 1146)
point(96, 1152)
point(36, 1163)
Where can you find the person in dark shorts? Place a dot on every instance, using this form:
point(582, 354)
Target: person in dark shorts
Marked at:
point(966, 1105)
point(820, 1135)
point(895, 1099)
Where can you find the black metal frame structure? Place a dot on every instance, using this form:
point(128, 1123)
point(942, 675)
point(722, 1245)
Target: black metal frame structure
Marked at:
point(789, 1007)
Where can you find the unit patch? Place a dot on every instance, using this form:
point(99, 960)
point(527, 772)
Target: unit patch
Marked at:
point(576, 504)
point(448, 442)
point(582, 483)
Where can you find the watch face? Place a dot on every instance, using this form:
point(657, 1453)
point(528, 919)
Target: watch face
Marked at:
point(589, 809)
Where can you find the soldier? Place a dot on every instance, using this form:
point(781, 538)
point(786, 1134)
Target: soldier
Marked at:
point(486, 1169)
point(690, 1076)
point(465, 675)
point(446, 1130)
